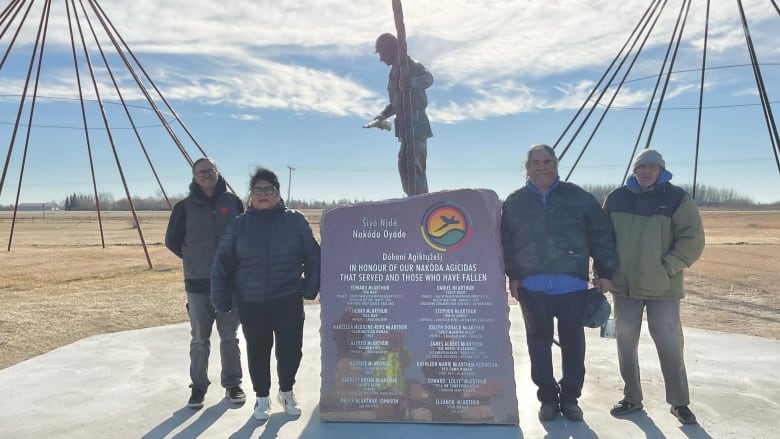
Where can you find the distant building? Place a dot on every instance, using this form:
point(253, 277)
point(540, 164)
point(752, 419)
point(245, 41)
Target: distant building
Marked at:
point(29, 207)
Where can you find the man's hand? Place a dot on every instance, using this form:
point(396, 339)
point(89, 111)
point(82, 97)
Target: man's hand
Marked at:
point(379, 122)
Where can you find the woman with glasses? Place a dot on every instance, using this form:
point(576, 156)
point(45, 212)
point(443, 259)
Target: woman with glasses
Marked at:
point(269, 255)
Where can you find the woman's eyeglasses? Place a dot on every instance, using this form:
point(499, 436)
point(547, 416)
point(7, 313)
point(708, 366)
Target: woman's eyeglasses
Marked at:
point(206, 172)
point(263, 190)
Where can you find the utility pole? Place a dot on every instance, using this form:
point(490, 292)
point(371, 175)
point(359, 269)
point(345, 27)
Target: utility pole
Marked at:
point(289, 181)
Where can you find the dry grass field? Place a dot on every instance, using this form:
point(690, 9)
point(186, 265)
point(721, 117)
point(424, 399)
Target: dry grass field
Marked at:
point(58, 284)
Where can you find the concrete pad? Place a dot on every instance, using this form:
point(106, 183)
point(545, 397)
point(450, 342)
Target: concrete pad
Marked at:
point(134, 384)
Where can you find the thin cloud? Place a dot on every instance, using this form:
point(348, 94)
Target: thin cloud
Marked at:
point(246, 117)
point(490, 58)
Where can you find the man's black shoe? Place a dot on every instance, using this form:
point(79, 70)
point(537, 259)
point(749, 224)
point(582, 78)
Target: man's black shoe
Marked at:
point(235, 395)
point(624, 407)
point(196, 399)
point(548, 412)
point(683, 414)
point(571, 411)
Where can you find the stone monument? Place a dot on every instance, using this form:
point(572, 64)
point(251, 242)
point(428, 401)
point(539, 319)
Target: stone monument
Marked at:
point(415, 319)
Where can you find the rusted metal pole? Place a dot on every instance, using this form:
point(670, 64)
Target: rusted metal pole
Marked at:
point(405, 115)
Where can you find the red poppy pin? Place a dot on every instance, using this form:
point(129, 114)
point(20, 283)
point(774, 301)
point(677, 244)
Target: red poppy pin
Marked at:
point(224, 210)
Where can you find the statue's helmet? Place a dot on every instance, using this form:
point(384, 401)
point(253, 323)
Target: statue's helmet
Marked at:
point(386, 41)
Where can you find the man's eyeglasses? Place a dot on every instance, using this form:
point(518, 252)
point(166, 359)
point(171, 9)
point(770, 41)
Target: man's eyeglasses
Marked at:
point(206, 172)
point(263, 190)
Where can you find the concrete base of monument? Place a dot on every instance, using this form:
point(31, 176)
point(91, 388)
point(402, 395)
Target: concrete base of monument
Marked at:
point(134, 384)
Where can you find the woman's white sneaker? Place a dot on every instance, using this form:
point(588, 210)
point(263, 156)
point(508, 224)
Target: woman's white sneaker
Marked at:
point(287, 400)
point(262, 408)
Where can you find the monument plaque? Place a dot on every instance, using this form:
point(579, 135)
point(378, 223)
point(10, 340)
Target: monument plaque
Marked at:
point(415, 320)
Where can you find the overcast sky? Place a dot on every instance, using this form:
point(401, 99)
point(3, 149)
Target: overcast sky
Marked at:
point(289, 84)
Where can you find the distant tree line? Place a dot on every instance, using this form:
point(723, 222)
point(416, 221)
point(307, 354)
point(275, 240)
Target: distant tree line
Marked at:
point(706, 197)
point(86, 202)
point(301, 204)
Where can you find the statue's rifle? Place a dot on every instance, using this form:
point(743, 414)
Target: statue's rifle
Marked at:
point(404, 116)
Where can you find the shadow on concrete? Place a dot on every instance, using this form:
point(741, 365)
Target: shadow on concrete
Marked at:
point(317, 429)
point(564, 428)
point(176, 419)
point(648, 427)
point(206, 419)
point(272, 427)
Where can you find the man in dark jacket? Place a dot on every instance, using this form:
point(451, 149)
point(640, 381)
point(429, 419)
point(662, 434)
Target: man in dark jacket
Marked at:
point(194, 230)
point(549, 231)
point(411, 158)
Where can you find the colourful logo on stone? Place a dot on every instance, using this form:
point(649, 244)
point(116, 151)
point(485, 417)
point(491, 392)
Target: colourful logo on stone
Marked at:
point(446, 227)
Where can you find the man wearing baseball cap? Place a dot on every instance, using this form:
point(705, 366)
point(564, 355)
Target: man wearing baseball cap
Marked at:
point(659, 233)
